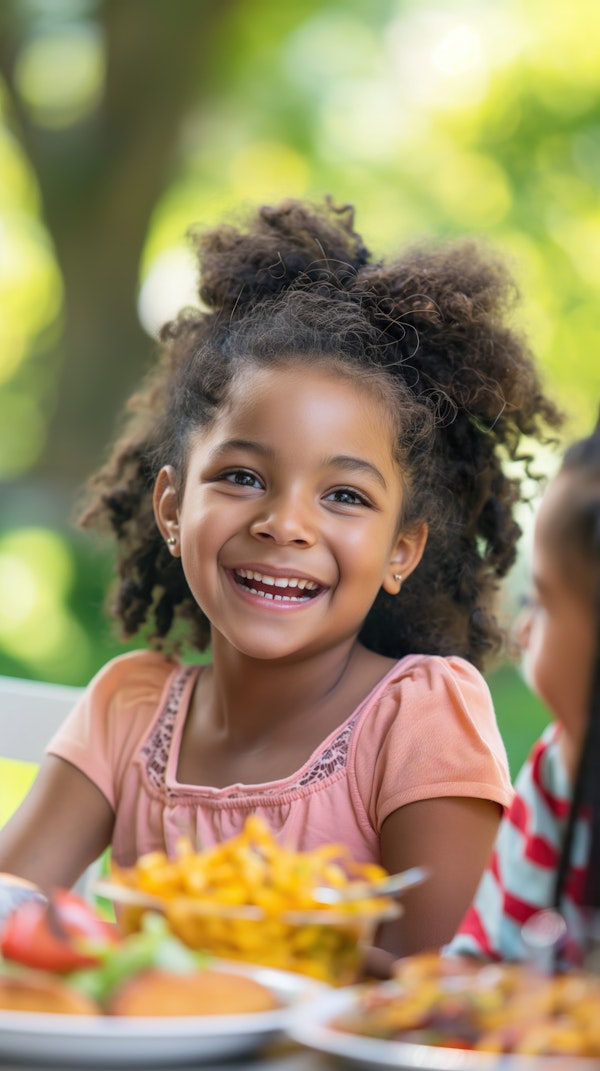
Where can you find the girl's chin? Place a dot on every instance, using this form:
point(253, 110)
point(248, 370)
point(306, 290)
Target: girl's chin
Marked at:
point(259, 648)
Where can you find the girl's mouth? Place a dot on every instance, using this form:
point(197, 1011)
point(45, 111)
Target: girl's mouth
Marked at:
point(277, 588)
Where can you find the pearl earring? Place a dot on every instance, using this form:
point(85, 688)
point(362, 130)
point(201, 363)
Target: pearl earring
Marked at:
point(398, 578)
point(171, 541)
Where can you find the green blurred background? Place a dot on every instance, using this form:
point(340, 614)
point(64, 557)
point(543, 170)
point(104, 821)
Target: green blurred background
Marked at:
point(124, 121)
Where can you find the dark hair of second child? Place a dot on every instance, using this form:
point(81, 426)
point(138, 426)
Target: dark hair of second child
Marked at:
point(577, 543)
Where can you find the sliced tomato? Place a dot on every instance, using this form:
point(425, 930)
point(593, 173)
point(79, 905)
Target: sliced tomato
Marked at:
point(59, 935)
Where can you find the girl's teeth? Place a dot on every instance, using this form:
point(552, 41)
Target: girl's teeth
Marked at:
point(276, 598)
point(278, 582)
point(304, 587)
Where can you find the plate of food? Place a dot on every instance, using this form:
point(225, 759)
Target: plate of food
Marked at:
point(73, 990)
point(443, 1015)
point(85, 1036)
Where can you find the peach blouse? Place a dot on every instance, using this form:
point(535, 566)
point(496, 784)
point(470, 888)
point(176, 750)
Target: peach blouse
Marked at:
point(427, 729)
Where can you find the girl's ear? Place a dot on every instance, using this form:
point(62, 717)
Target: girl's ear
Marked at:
point(406, 555)
point(165, 501)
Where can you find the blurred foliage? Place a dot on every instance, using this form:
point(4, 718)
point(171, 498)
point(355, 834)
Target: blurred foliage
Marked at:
point(121, 123)
point(54, 622)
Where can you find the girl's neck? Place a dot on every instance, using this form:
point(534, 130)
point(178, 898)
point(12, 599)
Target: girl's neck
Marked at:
point(250, 698)
point(255, 721)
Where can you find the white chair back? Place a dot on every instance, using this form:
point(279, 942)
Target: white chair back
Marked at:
point(30, 713)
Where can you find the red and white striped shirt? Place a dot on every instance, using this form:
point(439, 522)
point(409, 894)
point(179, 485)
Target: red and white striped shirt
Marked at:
point(521, 874)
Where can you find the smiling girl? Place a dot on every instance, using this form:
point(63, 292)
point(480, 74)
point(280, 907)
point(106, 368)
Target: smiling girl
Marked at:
point(311, 484)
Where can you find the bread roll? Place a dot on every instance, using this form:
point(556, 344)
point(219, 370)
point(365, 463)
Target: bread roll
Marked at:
point(40, 992)
point(209, 992)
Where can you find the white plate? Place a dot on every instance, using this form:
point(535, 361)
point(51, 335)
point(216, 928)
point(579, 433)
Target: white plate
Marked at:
point(311, 1026)
point(90, 1039)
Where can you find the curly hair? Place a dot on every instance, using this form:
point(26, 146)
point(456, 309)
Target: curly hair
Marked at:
point(428, 331)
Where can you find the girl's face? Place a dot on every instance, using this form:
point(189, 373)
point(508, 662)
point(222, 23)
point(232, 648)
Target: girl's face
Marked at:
point(558, 632)
point(288, 522)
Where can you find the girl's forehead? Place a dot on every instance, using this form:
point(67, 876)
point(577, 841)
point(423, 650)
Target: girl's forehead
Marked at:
point(550, 519)
point(560, 525)
point(565, 499)
point(288, 401)
point(272, 383)
point(551, 502)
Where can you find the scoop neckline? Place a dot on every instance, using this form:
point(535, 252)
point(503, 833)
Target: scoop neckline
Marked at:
point(255, 788)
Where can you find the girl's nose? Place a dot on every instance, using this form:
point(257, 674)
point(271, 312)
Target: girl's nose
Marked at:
point(523, 628)
point(283, 520)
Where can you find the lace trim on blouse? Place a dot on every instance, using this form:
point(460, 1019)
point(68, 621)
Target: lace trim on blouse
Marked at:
point(155, 752)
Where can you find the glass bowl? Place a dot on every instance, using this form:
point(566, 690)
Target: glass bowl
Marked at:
point(327, 944)
point(252, 898)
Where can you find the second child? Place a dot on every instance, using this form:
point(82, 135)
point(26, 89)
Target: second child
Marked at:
point(548, 849)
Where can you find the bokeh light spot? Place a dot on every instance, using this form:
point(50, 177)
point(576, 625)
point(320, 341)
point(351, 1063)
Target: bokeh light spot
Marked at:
point(170, 284)
point(60, 74)
point(36, 626)
point(268, 170)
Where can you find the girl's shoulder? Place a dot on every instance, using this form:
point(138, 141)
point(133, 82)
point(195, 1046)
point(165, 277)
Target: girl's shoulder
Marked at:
point(133, 670)
point(431, 701)
point(130, 687)
point(118, 708)
point(544, 774)
point(417, 678)
point(429, 729)
point(113, 716)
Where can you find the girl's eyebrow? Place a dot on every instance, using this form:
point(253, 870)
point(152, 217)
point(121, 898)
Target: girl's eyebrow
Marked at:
point(240, 444)
point(344, 461)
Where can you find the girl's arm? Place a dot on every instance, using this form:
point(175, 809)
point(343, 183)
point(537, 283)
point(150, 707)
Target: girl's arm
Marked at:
point(453, 837)
point(62, 825)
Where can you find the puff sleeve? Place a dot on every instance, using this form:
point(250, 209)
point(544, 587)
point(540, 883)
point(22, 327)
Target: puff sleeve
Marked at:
point(431, 732)
point(106, 726)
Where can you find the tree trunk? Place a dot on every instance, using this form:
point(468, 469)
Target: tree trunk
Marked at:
point(99, 182)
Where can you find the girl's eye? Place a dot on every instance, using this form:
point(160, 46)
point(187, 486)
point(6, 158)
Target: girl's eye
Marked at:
point(528, 604)
point(241, 478)
point(347, 496)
